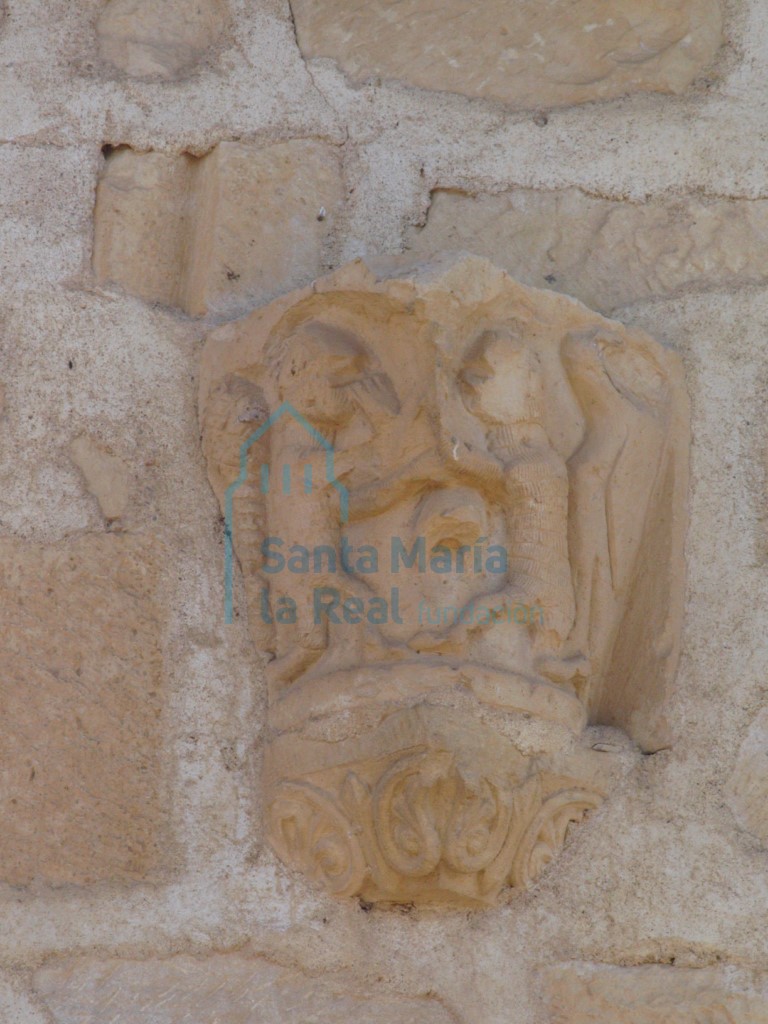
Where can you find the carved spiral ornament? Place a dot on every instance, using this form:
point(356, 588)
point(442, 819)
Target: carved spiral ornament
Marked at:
point(405, 816)
point(425, 813)
point(476, 829)
point(421, 820)
point(545, 836)
point(311, 833)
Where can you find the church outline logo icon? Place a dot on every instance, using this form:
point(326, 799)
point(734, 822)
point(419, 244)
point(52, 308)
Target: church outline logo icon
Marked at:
point(266, 481)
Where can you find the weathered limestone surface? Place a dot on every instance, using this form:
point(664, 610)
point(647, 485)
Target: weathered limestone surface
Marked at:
point(106, 476)
point(143, 217)
point(233, 989)
point(606, 253)
point(597, 994)
point(527, 55)
point(747, 788)
point(216, 235)
point(672, 867)
point(17, 1003)
point(464, 416)
point(150, 40)
point(81, 699)
point(264, 220)
point(46, 201)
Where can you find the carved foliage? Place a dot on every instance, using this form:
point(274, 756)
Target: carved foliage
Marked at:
point(422, 830)
point(310, 830)
point(520, 452)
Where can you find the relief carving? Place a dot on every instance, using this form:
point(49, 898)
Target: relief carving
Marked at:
point(457, 506)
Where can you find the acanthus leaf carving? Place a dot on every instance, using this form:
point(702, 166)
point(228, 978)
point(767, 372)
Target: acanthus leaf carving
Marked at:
point(545, 836)
point(311, 832)
point(422, 824)
point(457, 505)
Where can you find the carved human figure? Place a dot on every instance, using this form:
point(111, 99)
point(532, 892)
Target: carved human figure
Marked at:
point(438, 758)
point(503, 384)
point(328, 375)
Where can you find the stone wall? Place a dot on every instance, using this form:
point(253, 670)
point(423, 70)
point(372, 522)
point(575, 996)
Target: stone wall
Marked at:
point(165, 168)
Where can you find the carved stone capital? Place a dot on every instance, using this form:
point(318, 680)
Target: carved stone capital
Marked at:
point(440, 821)
point(454, 509)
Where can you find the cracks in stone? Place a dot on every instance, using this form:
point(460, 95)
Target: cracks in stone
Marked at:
point(671, 194)
point(320, 92)
point(303, 59)
point(292, 16)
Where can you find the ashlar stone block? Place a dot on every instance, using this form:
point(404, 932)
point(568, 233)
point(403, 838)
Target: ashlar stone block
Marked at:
point(747, 788)
point(149, 40)
point(80, 766)
point(591, 993)
point(218, 234)
point(608, 253)
point(524, 54)
point(233, 988)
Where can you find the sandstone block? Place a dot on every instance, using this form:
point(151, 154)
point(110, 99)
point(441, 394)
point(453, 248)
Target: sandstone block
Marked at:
point(142, 221)
point(232, 988)
point(216, 235)
point(526, 55)
point(150, 40)
point(264, 219)
point(81, 700)
point(596, 993)
point(747, 788)
point(106, 476)
point(606, 253)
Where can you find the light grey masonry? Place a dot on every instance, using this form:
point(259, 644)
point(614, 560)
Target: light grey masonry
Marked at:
point(654, 199)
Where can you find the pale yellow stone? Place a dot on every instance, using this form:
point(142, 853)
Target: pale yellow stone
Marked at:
point(147, 39)
point(446, 409)
point(106, 475)
point(606, 253)
point(263, 218)
point(142, 223)
point(524, 54)
point(80, 782)
point(232, 989)
point(217, 235)
point(599, 994)
point(747, 788)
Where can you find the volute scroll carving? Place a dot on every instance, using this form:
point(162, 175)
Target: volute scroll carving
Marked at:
point(457, 507)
